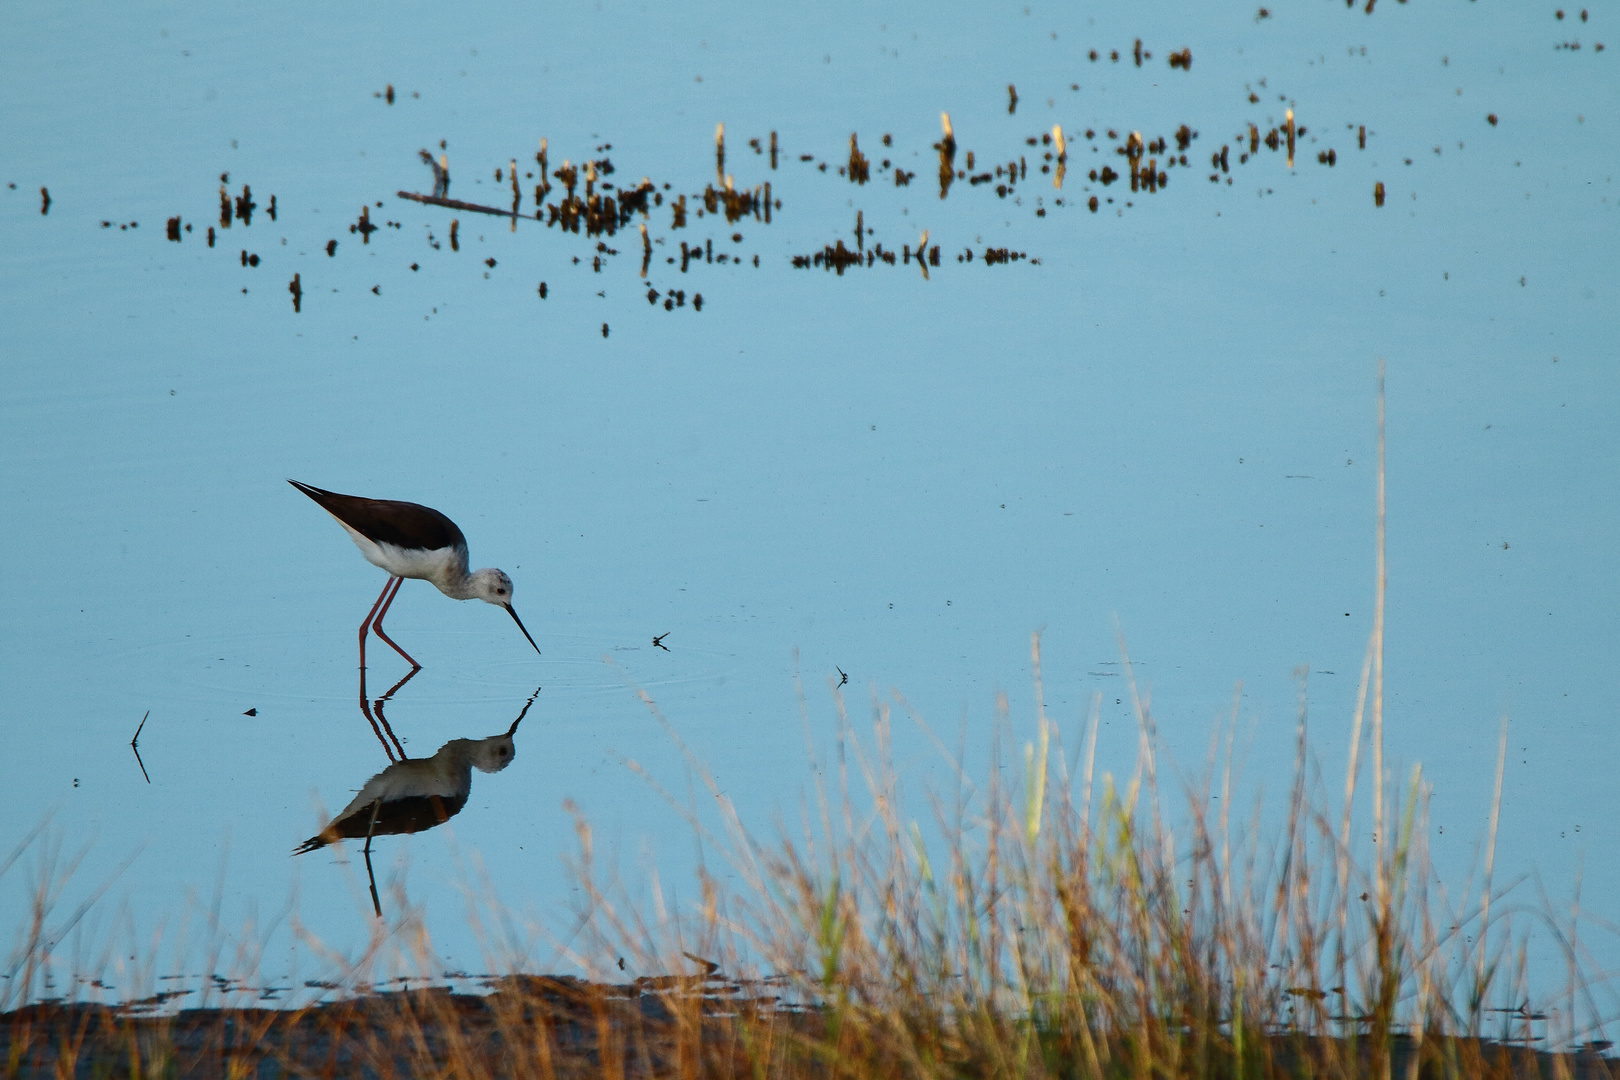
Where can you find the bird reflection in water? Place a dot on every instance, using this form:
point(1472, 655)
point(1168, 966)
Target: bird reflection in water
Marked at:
point(415, 794)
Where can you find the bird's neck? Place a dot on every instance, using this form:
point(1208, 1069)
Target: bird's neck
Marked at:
point(455, 757)
point(455, 581)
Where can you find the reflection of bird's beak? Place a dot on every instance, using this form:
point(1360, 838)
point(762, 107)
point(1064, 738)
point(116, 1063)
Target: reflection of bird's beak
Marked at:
point(513, 613)
point(513, 729)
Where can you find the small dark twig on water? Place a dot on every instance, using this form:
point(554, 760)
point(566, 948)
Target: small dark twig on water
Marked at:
point(709, 966)
point(137, 749)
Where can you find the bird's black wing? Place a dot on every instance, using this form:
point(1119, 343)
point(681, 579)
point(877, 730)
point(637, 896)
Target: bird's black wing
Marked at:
point(412, 814)
point(403, 524)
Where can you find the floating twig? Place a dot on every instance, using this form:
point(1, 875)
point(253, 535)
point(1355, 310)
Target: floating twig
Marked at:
point(455, 204)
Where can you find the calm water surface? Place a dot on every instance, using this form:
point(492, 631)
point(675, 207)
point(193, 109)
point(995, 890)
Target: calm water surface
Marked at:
point(1162, 421)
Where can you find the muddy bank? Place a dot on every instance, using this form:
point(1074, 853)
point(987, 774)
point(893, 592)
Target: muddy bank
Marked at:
point(677, 1026)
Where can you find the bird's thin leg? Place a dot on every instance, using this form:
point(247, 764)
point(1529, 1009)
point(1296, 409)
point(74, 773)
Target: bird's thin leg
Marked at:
point(376, 904)
point(393, 583)
point(376, 626)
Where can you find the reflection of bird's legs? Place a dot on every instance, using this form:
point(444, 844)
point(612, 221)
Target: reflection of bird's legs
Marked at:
point(376, 808)
point(376, 625)
point(383, 720)
point(365, 709)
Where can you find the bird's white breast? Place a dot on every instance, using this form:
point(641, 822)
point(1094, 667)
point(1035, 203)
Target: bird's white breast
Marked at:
point(435, 565)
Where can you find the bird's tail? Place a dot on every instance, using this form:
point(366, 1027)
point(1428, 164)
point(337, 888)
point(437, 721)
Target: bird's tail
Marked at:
point(311, 844)
point(309, 489)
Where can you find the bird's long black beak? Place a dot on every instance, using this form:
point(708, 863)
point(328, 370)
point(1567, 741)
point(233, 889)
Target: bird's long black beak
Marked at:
point(510, 611)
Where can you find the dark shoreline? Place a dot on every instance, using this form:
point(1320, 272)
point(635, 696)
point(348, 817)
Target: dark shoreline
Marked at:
point(562, 1028)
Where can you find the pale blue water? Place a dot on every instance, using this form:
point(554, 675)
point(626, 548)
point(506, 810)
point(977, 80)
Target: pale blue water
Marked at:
point(1169, 421)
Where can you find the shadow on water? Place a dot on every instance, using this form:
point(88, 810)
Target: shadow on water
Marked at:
point(412, 795)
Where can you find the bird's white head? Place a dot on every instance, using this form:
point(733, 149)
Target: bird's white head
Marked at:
point(492, 586)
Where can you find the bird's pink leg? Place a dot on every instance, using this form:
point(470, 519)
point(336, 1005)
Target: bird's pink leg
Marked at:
point(393, 583)
point(377, 629)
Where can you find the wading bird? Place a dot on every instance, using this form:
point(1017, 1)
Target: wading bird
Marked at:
point(412, 541)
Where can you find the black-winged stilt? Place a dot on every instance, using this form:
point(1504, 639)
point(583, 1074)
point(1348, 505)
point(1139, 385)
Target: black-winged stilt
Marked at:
point(412, 541)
